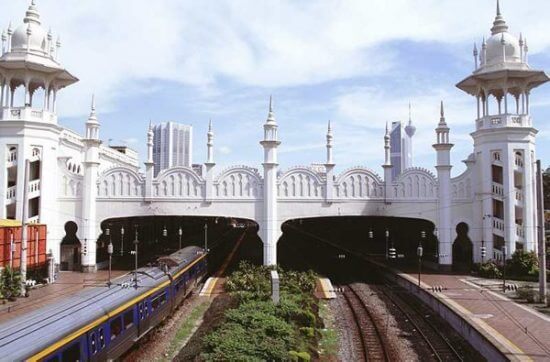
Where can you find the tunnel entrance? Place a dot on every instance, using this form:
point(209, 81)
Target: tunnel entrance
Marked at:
point(163, 235)
point(304, 241)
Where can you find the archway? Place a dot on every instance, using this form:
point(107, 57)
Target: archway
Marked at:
point(462, 249)
point(70, 248)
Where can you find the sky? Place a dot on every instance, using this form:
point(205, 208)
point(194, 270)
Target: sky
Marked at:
point(356, 63)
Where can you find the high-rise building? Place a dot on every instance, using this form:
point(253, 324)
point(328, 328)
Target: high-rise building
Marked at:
point(172, 145)
point(401, 146)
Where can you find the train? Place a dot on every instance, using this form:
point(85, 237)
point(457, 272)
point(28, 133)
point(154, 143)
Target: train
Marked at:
point(102, 323)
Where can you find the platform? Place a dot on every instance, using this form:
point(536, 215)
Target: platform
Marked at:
point(519, 332)
point(67, 283)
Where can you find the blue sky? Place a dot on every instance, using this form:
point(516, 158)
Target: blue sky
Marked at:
point(357, 63)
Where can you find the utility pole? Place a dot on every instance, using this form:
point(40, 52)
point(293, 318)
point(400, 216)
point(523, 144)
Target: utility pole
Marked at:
point(542, 237)
point(24, 233)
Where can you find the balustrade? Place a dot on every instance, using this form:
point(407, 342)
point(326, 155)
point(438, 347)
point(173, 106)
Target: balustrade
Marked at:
point(503, 120)
point(11, 192)
point(498, 189)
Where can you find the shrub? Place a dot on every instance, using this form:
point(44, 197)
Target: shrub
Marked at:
point(490, 269)
point(299, 356)
point(10, 283)
point(523, 264)
point(528, 293)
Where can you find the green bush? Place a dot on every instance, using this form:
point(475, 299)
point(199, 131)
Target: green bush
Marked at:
point(490, 270)
point(299, 356)
point(252, 332)
point(523, 264)
point(528, 293)
point(10, 283)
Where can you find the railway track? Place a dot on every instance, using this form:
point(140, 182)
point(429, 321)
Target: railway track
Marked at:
point(418, 315)
point(368, 335)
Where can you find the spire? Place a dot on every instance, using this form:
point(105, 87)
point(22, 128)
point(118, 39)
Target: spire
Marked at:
point(410, 129)
point(210, 126)
point(499, 25)
point(93, 116)
point(442, 130)
point(387, 146)
point(329, 129)
point(32, 15)
point(442, 115)
point(150, 130)
point(329, 145)
point(271, 114)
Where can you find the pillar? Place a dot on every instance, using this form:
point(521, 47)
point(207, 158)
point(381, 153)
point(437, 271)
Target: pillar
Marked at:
point(510, 236)
point(529, 201)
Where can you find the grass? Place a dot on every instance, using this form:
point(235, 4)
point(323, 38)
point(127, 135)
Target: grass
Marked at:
point(185, 329)
point(329, 343)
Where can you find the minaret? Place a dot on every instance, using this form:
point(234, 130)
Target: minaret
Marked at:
point(410, 131)
point(443, 148)
point(504, 143)
point(270, 226)
point(89, 227)
point(387, 165)
point(329, 167)
point(149, 164)
point(209, 164)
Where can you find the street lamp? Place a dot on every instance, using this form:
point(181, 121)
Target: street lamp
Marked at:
point(205, 237)
point(180, 233)
point(483, 252)
point(504, 268)
point(419, 253)
point(135, 252)
point(121, 240)
point(387, 237)
point(110, 252)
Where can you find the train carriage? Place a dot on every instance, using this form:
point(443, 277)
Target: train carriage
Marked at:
point(101, 323)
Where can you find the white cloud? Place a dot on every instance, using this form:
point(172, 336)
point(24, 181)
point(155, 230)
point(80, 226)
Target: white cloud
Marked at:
point(110, 45)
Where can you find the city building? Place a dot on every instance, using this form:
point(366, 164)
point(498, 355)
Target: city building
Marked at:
point(172, 145)
point(401, 146)
point(77, 184)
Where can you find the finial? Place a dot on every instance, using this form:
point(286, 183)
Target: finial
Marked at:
point(499, 25)
point(271, 103)
point(29, 30)
point(50, 35)
point(93, 102)
point(271, 115)
point(442, 111)
point(10, 30)
point(502, 41)
point(410, 117)
point(4, 35)
point(58, 42)
point(498, 8)
point(210, 125)
point(329, 129)
point(475, 50)
point(387, 130)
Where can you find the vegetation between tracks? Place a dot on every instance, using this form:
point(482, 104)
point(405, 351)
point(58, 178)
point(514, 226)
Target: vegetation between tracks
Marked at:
point(186, 328)
point(257, 329)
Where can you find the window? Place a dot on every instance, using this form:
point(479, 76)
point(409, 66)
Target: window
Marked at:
point(72, 353)
point(101, 339)
point(128, 319)
point(116, 327)
point(93, 343)
point(158, 301)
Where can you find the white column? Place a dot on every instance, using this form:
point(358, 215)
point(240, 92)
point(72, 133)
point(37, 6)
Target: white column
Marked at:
point(478, 107)
point(527, 101)
point(506, 101)
point(2, 93)
point(485, 197)
point(54, 107)
point(270, 226)
point(445, 228)
point(529, 201)
point(89, 223)
point(509, 200)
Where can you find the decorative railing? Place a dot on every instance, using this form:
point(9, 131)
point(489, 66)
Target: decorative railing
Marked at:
point(520, 231)
point(519, 195)
point(498, 189)
point(519, 161)
point(34, 186)
point(11, 192)
point(503, 120)
point(27, 113)
point(498, 224)
point(12, 156)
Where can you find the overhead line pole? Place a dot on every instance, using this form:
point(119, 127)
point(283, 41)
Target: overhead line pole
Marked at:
point(24, 233)
point(541, 237)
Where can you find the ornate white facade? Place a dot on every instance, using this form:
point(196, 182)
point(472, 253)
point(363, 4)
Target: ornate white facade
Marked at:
point(76, 178)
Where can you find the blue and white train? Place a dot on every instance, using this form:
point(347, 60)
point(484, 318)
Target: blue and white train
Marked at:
point(102, 323)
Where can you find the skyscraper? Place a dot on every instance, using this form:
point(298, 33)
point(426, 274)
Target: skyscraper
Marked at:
point(401, 146)
point(172, 145)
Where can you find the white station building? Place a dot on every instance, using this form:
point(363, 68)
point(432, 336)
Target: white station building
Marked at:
point(75, 179)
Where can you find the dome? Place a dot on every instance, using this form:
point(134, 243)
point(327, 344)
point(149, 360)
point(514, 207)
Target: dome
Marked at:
point(494, 48)
point(38, 36)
